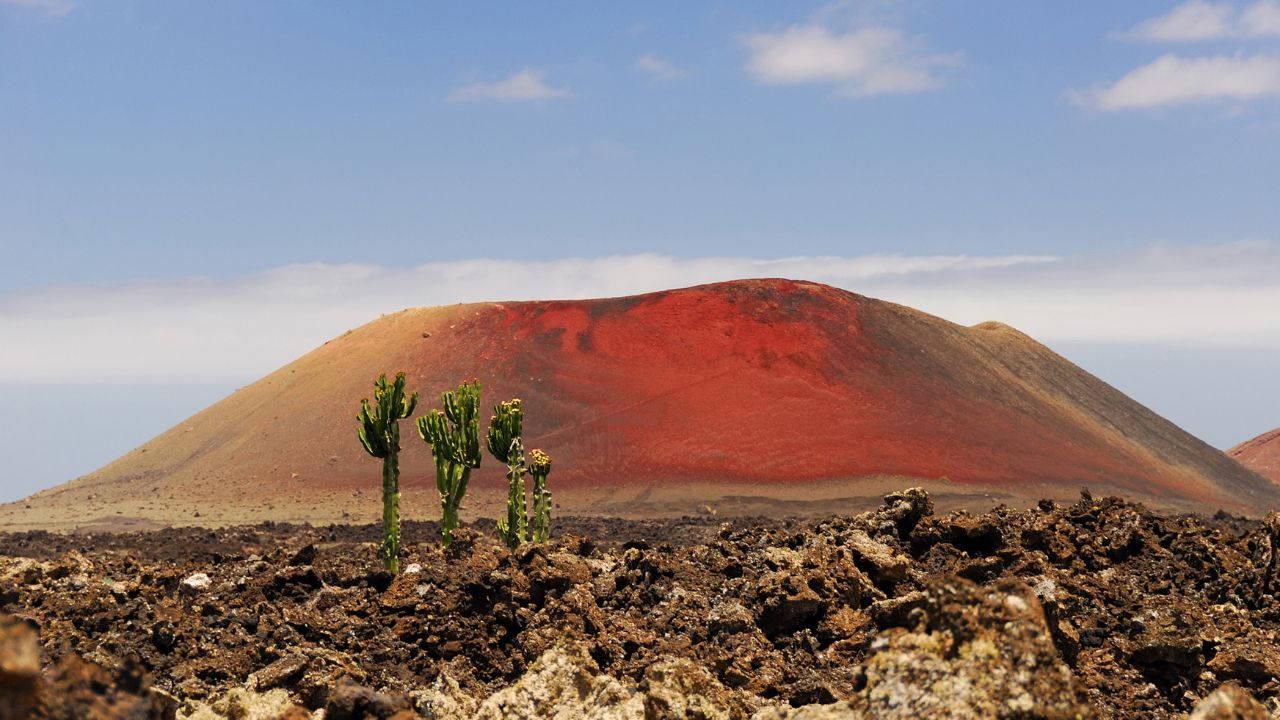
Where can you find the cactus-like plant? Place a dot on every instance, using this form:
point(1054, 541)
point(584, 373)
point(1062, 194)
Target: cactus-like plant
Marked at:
point(454, 437)
point(379, 433)
point(540, 523)
point(505, 444)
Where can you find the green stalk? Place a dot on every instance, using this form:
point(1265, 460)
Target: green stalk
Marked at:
point(516, 503)
point(379, 434)
point(391, 513)
point(505, 444)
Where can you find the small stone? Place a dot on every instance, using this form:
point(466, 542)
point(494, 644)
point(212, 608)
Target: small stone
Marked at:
point(413, 569)
point(163, 635)
point(884, 564)
point(280, 673)
point(196, 582)
point(305, 556)
point(352, 701)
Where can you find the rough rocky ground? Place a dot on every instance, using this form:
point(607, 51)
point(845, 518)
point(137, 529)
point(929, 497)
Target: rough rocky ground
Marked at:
point(1095, 609)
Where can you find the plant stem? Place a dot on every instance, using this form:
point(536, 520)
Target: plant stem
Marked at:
point(391, 512)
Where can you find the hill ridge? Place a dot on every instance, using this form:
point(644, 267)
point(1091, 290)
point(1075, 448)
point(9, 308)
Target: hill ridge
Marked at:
point(1260, 454)
point(772, 389)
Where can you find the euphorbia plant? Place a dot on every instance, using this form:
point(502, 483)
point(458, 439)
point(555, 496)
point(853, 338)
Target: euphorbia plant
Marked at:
point(505, 444)
point(379, 433)
point(540, 523)
point(454, 436)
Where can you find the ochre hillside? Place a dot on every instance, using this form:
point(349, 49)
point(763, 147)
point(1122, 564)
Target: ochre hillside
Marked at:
point(716, 395)
point(1261, 455)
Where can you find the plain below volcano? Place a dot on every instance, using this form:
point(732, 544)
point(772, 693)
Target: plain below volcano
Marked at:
point(742, 397)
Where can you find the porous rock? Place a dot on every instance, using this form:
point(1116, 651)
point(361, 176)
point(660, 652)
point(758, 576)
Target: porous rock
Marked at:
point(566, 683)
point(563, 684)
point(246, 704)
point(1229, 702)
point(444, 700)
point(980, 651)
point(679, 688)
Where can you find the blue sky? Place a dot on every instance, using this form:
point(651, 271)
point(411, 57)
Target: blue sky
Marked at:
point(174, 174)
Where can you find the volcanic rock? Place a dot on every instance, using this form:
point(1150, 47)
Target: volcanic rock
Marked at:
point(561, 685)
point(19, 667)
point(691, 616)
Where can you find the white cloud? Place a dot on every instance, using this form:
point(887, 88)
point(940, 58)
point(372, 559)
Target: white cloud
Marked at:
point(1262, 19)
point(872, 60)
point(528, 84)
point(53, 8)
point(1176, 80)
point(1194, 296)
point(659, 68)
point(1194, 20)
point(1198, 20)
point(237, 330)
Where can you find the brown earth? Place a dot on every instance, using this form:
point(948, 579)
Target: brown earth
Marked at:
point(1261, 455)
point(1095, 609)
point(759, 396)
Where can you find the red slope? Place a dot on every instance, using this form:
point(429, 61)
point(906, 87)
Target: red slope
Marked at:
point(769, 381)
point(1261, 455)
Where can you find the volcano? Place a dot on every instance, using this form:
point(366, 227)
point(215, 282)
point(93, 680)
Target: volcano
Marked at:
point(710, 398)
point(1261, 454)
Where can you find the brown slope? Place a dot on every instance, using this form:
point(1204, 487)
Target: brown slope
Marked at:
point(774, 386)
point(1261, 455)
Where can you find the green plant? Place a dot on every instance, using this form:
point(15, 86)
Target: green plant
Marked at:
point(539, 469)
point(505, 444)
point(454, 436)
point(379, 433)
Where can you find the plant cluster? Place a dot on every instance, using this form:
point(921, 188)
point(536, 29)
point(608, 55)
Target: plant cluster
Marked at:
point(454, 437)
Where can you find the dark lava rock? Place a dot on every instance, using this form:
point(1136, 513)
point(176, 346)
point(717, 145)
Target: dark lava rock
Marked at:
point(305, 556)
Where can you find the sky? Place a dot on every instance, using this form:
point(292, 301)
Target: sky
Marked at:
point(194, 193)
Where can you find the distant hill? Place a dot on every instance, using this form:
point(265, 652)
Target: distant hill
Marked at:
point(717, 394)
point(1261, 455)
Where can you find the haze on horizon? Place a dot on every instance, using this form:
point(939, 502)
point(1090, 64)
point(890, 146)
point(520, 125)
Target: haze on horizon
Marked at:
point(192, 195)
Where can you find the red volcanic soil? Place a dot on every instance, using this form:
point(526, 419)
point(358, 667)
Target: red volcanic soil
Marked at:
point(773, 385)
point(1261, 455)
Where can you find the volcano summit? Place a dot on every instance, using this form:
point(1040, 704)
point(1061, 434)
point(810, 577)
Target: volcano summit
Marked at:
point(748, 396)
